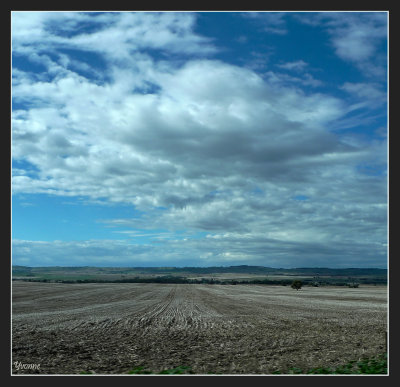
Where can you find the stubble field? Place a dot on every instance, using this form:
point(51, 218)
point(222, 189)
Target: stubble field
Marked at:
point(222, 329)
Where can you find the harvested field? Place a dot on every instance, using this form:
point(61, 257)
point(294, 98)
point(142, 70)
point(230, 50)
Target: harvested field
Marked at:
point(224, 329)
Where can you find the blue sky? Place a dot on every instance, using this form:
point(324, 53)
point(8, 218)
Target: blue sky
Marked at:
point(199, 138)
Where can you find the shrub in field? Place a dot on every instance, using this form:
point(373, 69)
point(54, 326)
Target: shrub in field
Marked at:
point(353, 285)
point(297, 284)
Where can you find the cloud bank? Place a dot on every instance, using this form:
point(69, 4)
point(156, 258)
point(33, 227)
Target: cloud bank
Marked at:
point(133, 108)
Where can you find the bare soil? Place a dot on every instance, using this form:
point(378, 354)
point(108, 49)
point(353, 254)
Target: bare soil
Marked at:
point(223, 329)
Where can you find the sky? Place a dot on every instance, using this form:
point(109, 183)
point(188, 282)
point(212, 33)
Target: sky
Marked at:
point(199, 139)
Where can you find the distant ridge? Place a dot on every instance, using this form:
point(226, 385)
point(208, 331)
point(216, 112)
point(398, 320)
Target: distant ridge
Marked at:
point(245, 269)
point(241, 274)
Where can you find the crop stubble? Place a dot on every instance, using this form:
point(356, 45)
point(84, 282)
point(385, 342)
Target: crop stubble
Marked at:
point(228, 329)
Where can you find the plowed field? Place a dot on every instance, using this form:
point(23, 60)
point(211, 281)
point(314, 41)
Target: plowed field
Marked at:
point(224, 329)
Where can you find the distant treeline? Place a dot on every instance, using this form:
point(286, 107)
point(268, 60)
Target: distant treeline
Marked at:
point(240, 269)
point(184, 280)
point(160, 279)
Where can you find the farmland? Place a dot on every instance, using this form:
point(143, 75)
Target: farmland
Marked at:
point(112, 328)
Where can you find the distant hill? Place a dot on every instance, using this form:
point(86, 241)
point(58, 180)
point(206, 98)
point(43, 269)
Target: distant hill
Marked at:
point(88, 272)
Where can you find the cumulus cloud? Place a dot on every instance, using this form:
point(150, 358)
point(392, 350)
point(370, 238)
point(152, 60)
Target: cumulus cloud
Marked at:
point(208, 120)
point(195, 143)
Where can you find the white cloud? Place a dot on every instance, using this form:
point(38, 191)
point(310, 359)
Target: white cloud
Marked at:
point(282, 79)
point(356, 37)
point(116, 35)
point(289, 248)
point(297, 65)
point(272, 22)
point(372, 93)
point(220, 148)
